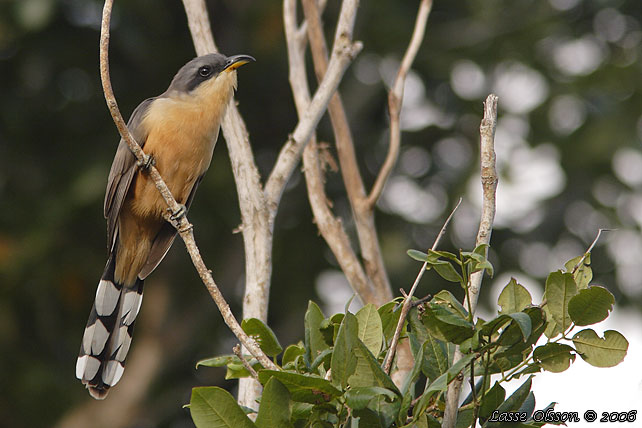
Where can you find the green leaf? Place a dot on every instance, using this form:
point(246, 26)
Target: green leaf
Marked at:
point(448, 297)
point(359, 397)
point(418, 255)
point(274, 410)
point(330, 328)
point(291, 353)
point(263, 335)
point(552, 328)
point(344, 360)
point(435, 362)
point(583, 275)
point(324, 357)
point(303, 388)
point(441, 383)
point(446, 271)
point(212, 406)
point(492, 399)
point(523, 321)
point(477, 259)
point(302, 410)
point(520, 324)
point(446, 324)
point(560, 288)
point(219, 361)
point(528, 406)
point(368, 371)
point(512, 403)
point(389, 313)
point(370, 328)
point(314, 341)
point(492, 326)
point(514, 298)
point(417, 333)
point(554, 357)
point(591, 305)
point(436, 255)
point(379, 413)
point(464, 418)
point(238, 370)
point(601, 352)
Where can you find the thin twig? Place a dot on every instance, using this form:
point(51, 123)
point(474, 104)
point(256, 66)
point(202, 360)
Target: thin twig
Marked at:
point(590, 248)
point(237, 351)
point(489, 187)
point(182, 225)
point(407, 303)
point(395, 99)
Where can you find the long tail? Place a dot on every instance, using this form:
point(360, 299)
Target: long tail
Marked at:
point(108, 333)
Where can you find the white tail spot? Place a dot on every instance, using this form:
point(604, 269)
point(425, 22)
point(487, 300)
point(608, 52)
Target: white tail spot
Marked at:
point(124, 340)
point(99, 339)
point(131, 306)
point(106, 297)
point(87, 367)
point(81, 363)
point(112, 372)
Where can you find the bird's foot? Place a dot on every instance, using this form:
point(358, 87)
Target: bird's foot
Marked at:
point(147, 162)
point(179, 213)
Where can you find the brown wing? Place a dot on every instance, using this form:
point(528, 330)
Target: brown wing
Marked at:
point(164, 239)
point(122, 171)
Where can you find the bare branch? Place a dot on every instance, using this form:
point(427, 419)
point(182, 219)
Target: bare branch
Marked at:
point(343, 51)
point(489, 188)
point(395, 98)
point(363, 215)
point(332, 230)
point(199, 26)
point(407, 303)
point(329, 226)
point(182, 225)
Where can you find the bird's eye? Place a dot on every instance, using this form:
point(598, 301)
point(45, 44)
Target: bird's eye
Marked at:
point(204, 71)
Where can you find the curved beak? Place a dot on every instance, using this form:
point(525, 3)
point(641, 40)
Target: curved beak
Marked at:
point(236, 61)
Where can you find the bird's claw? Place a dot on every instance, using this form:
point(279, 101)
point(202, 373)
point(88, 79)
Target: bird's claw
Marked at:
point(147, 162)
point(179, 213)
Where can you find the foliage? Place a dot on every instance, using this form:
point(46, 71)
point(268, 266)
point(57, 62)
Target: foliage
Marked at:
point(335, 378)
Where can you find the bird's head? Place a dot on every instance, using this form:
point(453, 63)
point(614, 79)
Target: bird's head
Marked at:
point(207, 76)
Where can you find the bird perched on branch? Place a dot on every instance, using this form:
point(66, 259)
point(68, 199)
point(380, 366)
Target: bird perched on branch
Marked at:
point(178, 130)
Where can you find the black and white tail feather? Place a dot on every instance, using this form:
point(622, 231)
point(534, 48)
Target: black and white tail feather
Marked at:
point(108, 333)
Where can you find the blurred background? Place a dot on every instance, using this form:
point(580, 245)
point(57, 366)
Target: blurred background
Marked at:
point(569, 78)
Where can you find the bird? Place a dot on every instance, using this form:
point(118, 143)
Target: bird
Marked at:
point(178, 131)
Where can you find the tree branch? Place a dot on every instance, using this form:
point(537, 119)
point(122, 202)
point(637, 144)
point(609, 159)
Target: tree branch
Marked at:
point(489, 188)
point(395, 99)
point(363, 216)
point(182, 225)
point(329, 226)
point(343, 51)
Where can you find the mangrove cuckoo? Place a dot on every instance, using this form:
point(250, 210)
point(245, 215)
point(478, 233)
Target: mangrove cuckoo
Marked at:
point(178, 129)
